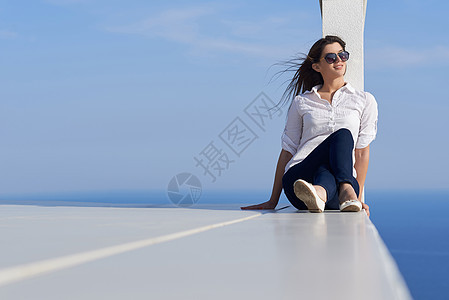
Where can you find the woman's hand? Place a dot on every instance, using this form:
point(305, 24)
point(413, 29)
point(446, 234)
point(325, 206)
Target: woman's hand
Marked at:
point(266, 205)
point(366, 208)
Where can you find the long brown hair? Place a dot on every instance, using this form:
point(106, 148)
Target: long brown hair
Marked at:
point(306, 77)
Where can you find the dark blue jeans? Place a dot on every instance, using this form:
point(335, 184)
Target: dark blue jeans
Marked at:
point(328, 165)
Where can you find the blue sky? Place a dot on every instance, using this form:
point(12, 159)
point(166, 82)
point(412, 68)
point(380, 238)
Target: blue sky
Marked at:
point(122, 95)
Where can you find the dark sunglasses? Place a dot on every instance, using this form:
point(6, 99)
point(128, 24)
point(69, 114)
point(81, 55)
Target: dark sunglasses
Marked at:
point(332, 57)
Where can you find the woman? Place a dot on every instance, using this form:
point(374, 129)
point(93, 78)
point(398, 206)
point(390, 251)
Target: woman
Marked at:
point(329, 125)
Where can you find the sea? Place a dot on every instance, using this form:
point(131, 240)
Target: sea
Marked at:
point(413, 224)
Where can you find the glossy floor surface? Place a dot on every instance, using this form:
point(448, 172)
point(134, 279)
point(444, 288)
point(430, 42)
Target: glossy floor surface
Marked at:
point(204, 252)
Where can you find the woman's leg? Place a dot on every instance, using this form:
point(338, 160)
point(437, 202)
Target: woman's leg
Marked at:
point(289, 179)
point(340, 158)
point(324, 178)
point(335, 152)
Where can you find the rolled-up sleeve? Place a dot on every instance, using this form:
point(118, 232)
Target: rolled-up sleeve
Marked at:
point(293, 129)
point(368, 123)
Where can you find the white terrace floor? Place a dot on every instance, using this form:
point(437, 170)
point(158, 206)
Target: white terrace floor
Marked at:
point(203, 252)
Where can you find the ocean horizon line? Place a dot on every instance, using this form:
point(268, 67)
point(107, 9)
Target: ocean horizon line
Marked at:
point(213, 196)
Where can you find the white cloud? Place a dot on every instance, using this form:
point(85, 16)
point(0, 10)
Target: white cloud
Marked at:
point(403, 57)
point(189, 27)
point(65, 2)
point(7, 34)
point(175, 25)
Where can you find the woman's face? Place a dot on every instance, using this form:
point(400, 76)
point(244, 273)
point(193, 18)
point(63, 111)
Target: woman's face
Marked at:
point(334, 70)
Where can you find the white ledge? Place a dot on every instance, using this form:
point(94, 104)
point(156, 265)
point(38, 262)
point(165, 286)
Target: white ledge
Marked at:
point(204, 252)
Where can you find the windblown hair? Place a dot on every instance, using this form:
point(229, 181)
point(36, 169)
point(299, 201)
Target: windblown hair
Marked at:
point(306, 77)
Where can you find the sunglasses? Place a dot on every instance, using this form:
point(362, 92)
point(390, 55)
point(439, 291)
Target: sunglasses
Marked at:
point(332, 57)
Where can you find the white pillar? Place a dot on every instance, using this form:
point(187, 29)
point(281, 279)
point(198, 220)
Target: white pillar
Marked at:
point(346, 19)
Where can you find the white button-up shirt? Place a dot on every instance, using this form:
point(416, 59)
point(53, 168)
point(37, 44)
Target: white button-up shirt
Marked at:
point(311, 119)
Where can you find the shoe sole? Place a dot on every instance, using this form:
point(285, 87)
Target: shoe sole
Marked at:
point(352, 208)
point(306, 195)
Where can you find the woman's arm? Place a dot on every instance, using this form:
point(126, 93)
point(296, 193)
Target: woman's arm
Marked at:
point(284, 158)
point(290, 141)
point(361, 167)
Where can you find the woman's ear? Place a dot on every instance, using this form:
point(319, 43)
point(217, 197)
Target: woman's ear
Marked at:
point(316, 67)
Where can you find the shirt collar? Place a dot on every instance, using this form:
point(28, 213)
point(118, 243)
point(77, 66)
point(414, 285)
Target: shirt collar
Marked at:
point(347, 87)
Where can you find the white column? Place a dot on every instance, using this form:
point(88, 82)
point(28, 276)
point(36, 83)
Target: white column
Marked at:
point(346, 19)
